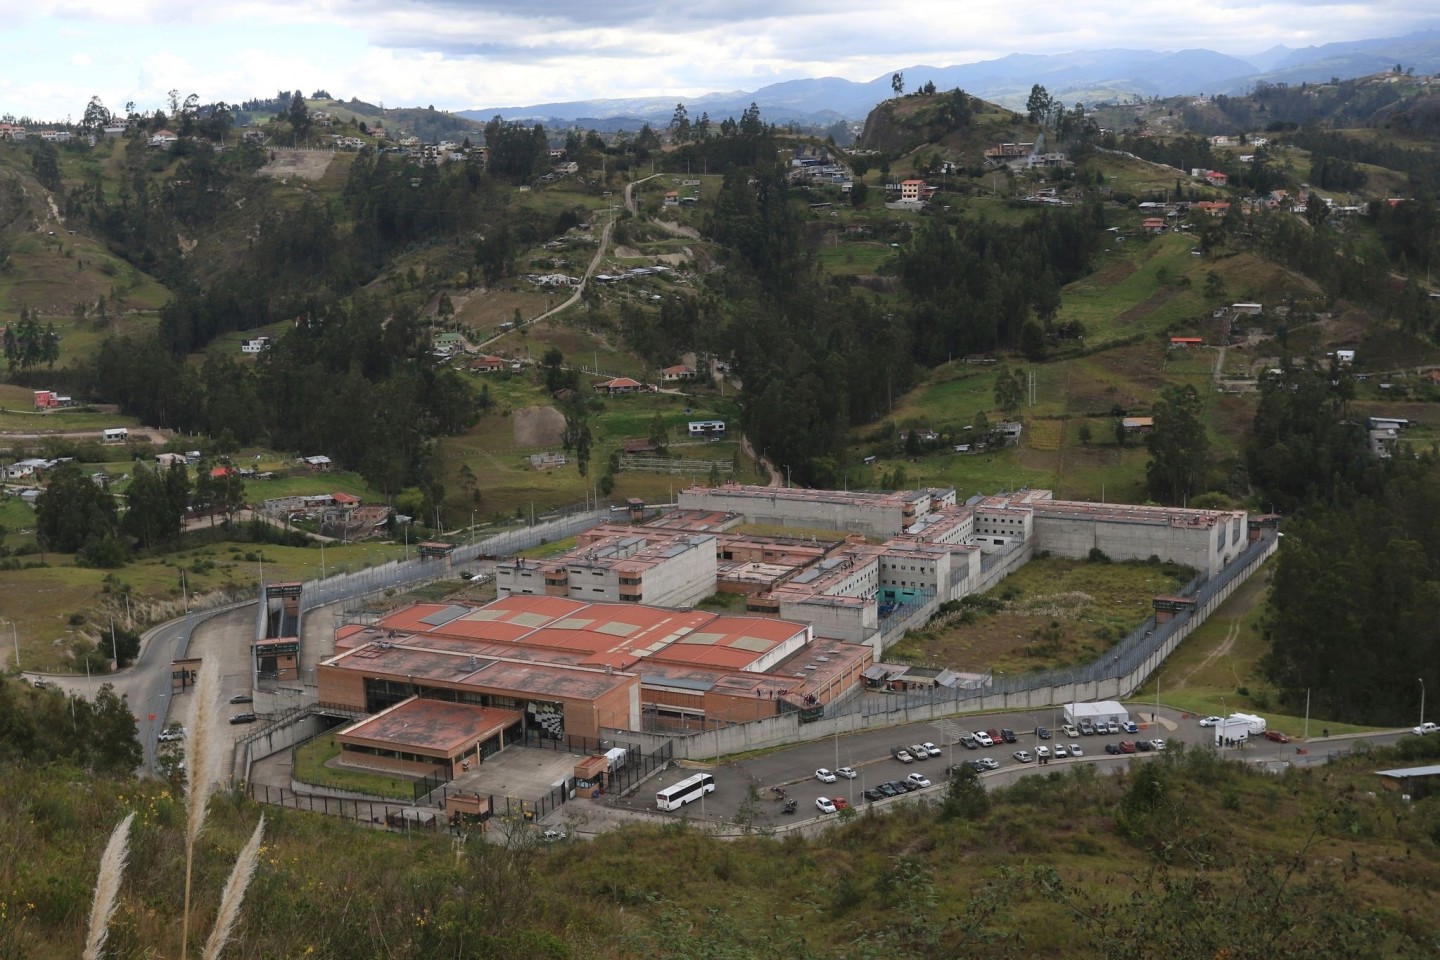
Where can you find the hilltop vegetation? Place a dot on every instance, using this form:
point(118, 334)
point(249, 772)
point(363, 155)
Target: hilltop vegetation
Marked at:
point(841, 322)
point(1186, 854)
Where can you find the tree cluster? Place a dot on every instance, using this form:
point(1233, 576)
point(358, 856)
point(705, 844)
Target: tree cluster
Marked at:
point(42, 727)
point(353, 380)
point(1353, 601)
point(27, 344)
point(974, 286)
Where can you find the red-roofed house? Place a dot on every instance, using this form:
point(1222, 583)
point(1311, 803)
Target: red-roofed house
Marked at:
point(1212, 208)
point(619, 385)
point(488, 364)
point(911, 189)
point(1153, 225)
point(678, 372)
point(218, 472)
point(1217, 179)
point(345, 500)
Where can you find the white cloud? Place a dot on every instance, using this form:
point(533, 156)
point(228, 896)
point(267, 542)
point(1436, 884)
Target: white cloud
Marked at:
point(476, 53)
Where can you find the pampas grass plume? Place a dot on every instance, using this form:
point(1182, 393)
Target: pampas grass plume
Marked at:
point(107, 889)
point(234, 894)
point(205, 759)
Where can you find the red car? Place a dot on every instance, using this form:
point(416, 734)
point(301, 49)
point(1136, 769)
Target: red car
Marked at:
point(1277, 736)
point(1127, 746)
point(996, 735)
point(840, 803)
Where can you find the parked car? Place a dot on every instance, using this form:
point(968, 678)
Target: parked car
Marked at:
point(889, 789)
point(1426, 727)
point(824, 805)
point(1209, 721)
point(903, 755)
point(985, 763)
point(1007, 735)
point(1087, 729)
point(968, 742)
point(244, 718)
point(847, 772)
point(918, 779)
point(1129, 726)
point(1042, 733)
point(1112, 748)
point(242, 698)
point(1143, 746)
point(1060, 752)
point(1158, 744)
point(824, 776)
point(1111, 727)
point(875, 793)
point(899, 786)
point(172, 733)
point(1075, 750)
point(1277, 736)
point(983, 739)
point(1042, 752)
point(1127, 746)
point(919, 752)
point(552, 835)
point(840, 803)
point(994, 736)
point(1022, 756)
point(931, 749)
point(1069, 730)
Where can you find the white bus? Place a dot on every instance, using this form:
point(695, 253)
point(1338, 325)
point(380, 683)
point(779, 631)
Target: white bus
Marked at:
point(114, 435)
point(691, 788)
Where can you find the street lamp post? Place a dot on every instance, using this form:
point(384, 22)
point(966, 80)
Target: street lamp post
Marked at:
point(1421, 679)
point(15, 639)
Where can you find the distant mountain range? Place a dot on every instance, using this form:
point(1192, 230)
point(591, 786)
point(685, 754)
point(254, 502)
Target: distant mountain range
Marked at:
point(1084, 75)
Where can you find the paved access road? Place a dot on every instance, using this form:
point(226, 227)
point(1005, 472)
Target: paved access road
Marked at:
point(224, 638)
point(868, 753)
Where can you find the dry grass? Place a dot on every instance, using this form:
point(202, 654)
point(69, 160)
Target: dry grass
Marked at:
point(206, 753)
point(107, 889)
point(234, 895)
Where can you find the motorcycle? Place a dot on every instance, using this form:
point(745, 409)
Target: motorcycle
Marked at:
point(789, 807)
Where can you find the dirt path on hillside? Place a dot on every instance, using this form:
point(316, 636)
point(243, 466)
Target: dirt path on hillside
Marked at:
point(136, 433)
point(1245, 597)
point(677, 229)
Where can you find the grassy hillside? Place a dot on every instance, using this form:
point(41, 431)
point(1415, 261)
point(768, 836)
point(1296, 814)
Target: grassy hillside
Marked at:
point(1199, 857)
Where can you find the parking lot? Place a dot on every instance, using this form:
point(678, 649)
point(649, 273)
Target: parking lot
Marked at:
point(869, 754)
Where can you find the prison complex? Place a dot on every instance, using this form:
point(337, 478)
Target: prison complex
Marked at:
point(607, 636)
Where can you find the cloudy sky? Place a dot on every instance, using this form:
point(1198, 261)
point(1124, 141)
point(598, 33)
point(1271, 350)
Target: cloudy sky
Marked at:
point(461, 54)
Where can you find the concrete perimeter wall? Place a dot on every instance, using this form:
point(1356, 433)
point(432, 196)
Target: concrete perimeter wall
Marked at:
point(778, 731)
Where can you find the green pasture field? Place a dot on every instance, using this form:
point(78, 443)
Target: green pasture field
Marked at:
point(506, 482)
point(300, 481)
point(852, 257)
point(1054, 612)
point(23, 418)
